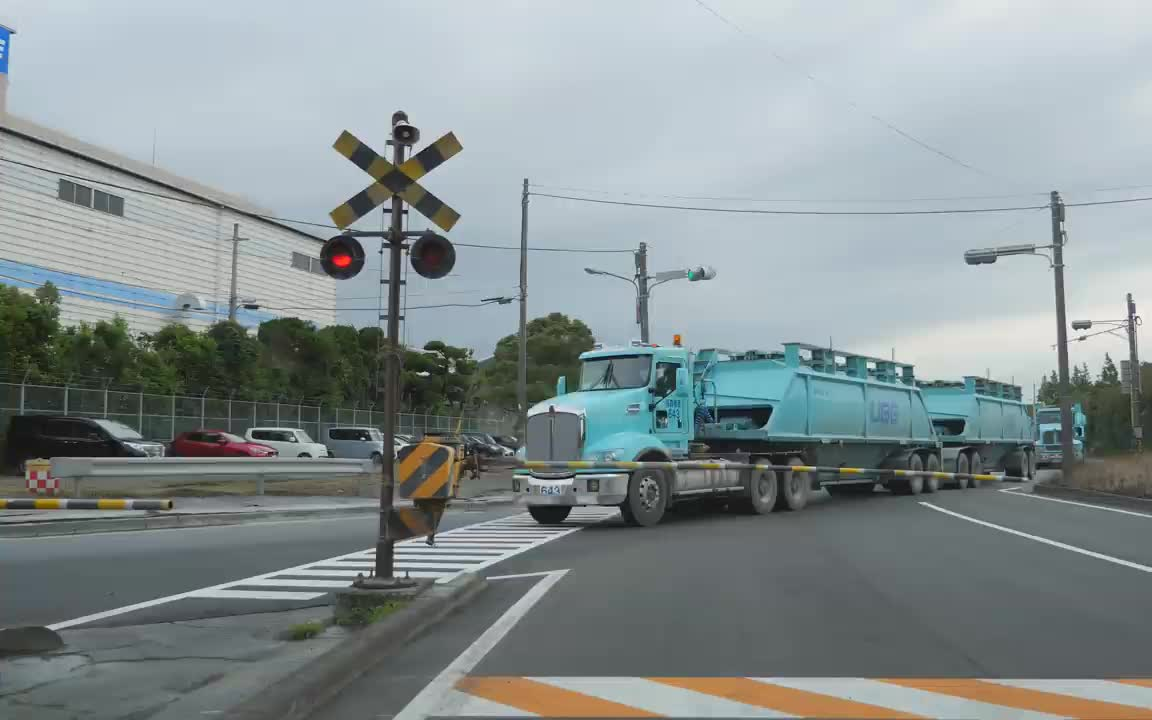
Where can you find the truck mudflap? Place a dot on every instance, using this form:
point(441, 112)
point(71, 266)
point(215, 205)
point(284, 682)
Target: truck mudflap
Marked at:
point(590, 489)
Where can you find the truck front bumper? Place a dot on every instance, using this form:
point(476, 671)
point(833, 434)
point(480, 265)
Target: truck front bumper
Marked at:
point(591, 489)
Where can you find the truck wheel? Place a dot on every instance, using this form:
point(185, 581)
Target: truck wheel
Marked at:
point(931, 482)
point(976, 463)
point(549, 514)
point(913, 484)
point(962, 468)
point(1030, 461)
point(794, 488)
point(763, 490)
point(647, 498)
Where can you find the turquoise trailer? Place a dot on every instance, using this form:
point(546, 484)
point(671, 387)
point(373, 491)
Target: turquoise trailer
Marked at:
point(803, 405)
point(983, 425)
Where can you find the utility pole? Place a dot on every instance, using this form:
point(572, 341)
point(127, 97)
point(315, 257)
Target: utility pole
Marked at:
point(233, 299)
point(1134, 378)
point(642, 291)
point(1067, 454)
point(384, 543)
point(522, 364)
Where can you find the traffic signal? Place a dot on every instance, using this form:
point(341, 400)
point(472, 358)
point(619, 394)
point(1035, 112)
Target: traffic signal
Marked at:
point(702, 272)
point(432, 256)
point(342, 257)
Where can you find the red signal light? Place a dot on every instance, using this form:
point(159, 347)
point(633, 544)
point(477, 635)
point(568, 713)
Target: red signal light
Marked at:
point(342, 261)
point(432, 256)
point(342, 257)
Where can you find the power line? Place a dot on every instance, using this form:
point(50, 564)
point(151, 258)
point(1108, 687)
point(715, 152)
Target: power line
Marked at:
point(761, 211)
point(846, 100)
point(543, 249)
point(721, 198)
point(376, 309)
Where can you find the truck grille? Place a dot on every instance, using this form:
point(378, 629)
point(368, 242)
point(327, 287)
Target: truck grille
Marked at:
point(554, 436)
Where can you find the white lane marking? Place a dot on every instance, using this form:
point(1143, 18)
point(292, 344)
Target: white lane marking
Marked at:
point(520, 575)
point(1012, 489)
point(1099, 690)
point(1081, 504)
point(905, 699)
point(1046, 541)
point(472, 706)
point(435, 695)
point(259, 595)
point(658, 698)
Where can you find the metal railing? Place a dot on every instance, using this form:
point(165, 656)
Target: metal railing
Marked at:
point(163, 417)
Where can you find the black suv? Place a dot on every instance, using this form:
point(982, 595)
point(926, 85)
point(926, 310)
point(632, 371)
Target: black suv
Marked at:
point(48, 436)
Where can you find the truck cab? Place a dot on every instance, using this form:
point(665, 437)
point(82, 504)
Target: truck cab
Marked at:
point(641, 399)
point(1048, 434)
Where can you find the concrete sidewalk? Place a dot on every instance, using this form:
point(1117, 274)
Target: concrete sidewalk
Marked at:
point(492, 487)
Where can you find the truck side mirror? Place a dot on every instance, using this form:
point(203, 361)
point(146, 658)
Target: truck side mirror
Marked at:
point(682, 386)
point(561, 386)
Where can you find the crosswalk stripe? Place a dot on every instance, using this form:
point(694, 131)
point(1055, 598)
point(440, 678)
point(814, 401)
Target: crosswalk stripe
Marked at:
point(784, 699)
point(532, 696)
point(258, 595)
point(1026, 699)
point(1099, 690)
point(660, 699)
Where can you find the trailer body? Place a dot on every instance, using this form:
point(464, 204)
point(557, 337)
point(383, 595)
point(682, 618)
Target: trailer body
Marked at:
point(984, 426)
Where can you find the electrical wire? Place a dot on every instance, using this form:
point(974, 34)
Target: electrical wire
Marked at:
point(846, 100)
point(860, 200)
point(412, 307)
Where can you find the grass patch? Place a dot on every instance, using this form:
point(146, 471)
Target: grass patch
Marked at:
point(1130, 475)
point(306, 630)
point(364, 613)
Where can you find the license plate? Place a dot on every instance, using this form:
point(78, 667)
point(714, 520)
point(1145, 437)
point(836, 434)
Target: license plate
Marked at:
point(551, 490)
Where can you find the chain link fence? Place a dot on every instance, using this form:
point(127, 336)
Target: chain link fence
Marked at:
point(163, 417)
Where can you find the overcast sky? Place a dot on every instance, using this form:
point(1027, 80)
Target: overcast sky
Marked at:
point(660, 97)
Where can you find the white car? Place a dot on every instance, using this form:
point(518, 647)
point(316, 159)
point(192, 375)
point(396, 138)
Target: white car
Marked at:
point(288, 442)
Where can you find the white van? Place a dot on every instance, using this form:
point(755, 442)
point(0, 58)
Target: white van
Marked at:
point(288, 442)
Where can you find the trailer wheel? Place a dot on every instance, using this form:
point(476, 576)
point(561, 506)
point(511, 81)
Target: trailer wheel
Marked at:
point(549, 514)
point(1015, 467)
point(962, 468)
point(762, 493)
point(1030, 460)
point(911, 484)
point(976, 463)
point(647, 498)
point(794, 488)
point(931, 482)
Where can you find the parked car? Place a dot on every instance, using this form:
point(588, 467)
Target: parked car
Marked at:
point(509, 441)
point(48, 436)
point(476, 443)
point(406, 438)
point(357, 442)
point(288, 442)
point(217, 443)
point(495, 448)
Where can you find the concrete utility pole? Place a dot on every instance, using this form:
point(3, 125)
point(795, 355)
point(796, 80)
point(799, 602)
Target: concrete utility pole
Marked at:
point(522, 362)
point(642, 291)
point(1067, 453)
point(233, 299)
point(1134, 378)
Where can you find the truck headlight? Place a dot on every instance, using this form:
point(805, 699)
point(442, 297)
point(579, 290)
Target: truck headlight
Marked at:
point(612, 455)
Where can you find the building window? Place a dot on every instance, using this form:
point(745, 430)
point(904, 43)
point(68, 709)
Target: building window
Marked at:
point(78, 194)
point(300, 261)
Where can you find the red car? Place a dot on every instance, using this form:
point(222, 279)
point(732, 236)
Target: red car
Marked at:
point(216, 443)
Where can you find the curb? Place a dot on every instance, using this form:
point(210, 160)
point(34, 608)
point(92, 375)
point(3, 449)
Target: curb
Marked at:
point(298, 695)
point(1095, 496)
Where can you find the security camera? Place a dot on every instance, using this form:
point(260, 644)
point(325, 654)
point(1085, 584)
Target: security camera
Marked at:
point(403, 131)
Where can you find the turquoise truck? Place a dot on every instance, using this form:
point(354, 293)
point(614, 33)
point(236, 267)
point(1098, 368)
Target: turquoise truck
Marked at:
point(1049, 453)
point(983, 425)
point(803, 405)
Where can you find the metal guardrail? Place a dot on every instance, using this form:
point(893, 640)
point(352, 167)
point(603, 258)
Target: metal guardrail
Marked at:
point(83, 504)
point(699, 465)
point(182, 469)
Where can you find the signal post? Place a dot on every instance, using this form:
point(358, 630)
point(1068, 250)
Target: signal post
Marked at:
point(432, 256)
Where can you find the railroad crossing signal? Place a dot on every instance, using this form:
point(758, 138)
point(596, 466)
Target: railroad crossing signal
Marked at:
point(342, 257)
point(392, 180)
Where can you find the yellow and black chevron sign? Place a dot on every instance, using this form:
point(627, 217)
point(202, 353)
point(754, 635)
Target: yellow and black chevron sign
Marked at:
point(392, 180)
point(404, 523)
point(427, 470)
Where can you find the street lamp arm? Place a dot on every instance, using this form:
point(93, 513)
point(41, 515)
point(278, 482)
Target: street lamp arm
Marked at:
point(592, 271)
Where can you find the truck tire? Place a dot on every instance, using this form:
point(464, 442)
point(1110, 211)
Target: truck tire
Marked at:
point(976, 463)
point(647, 498)
point(911, 485)
point(1031, 462)
point(794, 488)
point(962, 468)
point(762, 493)
point(931, 482)
point(1015, 465)
point(549, 514)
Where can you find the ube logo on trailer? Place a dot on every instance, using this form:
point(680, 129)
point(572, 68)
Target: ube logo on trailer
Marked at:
point(5, 40)
point(885, 412)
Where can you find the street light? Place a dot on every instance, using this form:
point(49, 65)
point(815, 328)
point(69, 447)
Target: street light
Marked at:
point(643, 288)
point(1112, 327)
point(987, 256)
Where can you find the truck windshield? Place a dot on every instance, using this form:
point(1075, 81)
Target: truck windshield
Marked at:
point(1045, 417)
point(612, 373)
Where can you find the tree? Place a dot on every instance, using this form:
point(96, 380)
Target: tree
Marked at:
point(1049, 393)
point(29, 325)
point(1108, 373)
point(554, 346)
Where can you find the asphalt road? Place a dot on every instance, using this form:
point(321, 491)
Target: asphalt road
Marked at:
point(960, 604)
point(55, 579)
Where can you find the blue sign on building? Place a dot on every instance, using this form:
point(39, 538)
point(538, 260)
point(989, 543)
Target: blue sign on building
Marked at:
point(5, 46)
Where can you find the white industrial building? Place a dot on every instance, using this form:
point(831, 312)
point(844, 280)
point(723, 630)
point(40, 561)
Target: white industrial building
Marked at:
point(121, 237)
